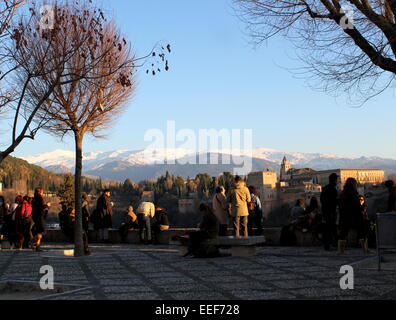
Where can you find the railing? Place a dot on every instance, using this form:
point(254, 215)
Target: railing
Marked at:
point(386, 233)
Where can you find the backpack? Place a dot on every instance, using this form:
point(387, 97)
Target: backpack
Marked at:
point(287, 237)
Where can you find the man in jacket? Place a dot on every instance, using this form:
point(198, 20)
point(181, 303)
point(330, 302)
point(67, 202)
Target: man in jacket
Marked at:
point(239, 198)
point(329, 201)
point(104, 212)
point(145, 213)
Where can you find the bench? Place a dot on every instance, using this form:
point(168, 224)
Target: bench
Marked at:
point(240, 247)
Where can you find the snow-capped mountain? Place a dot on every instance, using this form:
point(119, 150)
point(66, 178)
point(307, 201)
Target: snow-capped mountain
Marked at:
point(148, 164)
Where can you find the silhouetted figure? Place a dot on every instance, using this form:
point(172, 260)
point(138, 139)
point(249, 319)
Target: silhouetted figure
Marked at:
point(366, 224)
point(209, 229)
point(39, 213)
point(63, 217)
point(391, 207)
point(351, 216)
point(160, 223)
point(103, 213)
point(220, 209)
point(329, 201)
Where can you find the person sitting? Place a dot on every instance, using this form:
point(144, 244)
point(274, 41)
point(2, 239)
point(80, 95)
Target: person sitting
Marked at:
point(209, 229)
point(63, 217)
point(130, 222)
point(160, 223)
point(298, 216)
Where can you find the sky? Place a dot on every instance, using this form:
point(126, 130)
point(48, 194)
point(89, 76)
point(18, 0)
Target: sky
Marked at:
point(219, 79)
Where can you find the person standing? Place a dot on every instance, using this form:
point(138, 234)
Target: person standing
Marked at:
point(365, 224)
point(329, 202)
point(220, 209)
point(145, 212)
point(350, 213)
point(239, 198)
point(104, 213)
point(39, 212)
point(27, 221)
point(391, 206)
point(255, 213)
point(19, 213)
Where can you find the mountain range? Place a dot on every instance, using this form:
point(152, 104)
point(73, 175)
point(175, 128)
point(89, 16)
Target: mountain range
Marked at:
point(148, 164)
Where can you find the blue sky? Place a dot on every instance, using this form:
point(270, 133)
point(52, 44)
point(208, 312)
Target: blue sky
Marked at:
point(218, 79)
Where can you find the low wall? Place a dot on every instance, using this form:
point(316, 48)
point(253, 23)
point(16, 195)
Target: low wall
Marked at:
point(57, 236)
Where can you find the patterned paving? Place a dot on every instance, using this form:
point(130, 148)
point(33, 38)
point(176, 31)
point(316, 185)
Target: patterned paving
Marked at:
point(132, 272)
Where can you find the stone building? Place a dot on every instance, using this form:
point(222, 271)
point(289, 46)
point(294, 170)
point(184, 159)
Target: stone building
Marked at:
point(297, 177)
point(266, 184)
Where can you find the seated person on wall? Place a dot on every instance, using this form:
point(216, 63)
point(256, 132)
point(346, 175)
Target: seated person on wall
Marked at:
point(130, 222)
point(160, 223)
point(65, 221)
point(209, 229)
point(313, 214)
point(299, 218)
point(62, 216)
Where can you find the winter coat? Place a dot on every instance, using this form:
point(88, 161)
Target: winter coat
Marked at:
point(239, 198)
point(350, 209)
point(220, 208)
point(329, 201)
point(104, 212)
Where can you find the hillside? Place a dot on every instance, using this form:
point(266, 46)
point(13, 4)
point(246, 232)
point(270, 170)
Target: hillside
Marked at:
point(24, 177)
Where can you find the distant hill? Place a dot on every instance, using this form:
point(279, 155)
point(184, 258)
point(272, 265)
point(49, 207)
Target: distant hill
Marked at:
point(22, 176)
point(142, 165)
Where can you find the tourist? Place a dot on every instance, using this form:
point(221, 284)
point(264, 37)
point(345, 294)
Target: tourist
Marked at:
point(63, 217)
point(160, 224)
point(365, 224)
point(145, 213)
point(19, 230)
point(298, 217)
point(104, 212)
point(351, 216)
point(130, 222)
point(312, 212)
point(208, 229)
point(3, 210)
point(390, 185)
point(71, 212)
point(239, 198)
point(255, 213)
point(39, 212)
point(27, 221)
point(10, 222)
point(329, 202)
point(220, 209)
point(85, 213)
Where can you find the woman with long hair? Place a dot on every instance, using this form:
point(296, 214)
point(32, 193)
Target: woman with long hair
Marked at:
point(351, 216)
point(39, 211)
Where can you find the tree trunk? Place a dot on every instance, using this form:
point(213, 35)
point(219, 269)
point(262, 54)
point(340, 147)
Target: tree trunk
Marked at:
point(78, 229)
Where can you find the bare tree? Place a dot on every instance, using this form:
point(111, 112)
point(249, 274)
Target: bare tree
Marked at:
point(345, 45)
point(98, 82)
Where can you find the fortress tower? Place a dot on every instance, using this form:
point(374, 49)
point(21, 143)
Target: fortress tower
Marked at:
point(285, 168)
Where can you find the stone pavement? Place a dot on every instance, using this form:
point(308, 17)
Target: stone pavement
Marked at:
point(133, 272)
